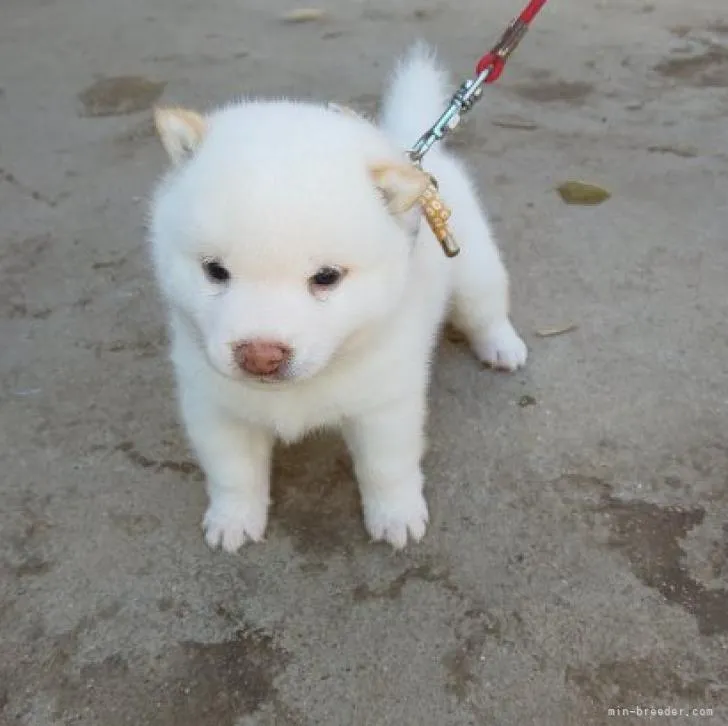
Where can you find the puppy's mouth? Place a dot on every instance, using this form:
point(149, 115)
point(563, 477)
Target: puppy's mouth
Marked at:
point(270, 380)
point(289, 376)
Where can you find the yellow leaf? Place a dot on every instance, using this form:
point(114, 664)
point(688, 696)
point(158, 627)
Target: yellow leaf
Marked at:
point(578, 192)
point(303, 15)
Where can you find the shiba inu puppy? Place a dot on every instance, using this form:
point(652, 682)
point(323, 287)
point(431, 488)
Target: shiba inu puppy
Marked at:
point(304, 290)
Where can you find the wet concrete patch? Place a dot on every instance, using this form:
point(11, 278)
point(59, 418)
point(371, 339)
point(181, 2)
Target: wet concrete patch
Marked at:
point(38, 196)
point(32, 566)
point(460, 662)
point(474, 623)
point(636, 681)
point(187, 468)
point(24, 255)
point(141, 342)
point(707, 69)
point(315, 497)
point(144, 345)
point(135, 525)
point(35, 665)
point(128, 142)
point(682, 152)
point(108, 264)
point(119, 96)
point(25, 555)
point(424, 572)
point(191, 684)
point(649, 536)
point(18, 263)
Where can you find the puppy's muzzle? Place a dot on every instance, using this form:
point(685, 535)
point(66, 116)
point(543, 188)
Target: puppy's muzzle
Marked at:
point(261, 357)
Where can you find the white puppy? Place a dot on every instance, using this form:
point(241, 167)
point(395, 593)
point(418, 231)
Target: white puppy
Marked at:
point(303, 292)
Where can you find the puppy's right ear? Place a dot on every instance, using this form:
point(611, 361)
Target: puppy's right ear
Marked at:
point(181, 132)
point(400, 184)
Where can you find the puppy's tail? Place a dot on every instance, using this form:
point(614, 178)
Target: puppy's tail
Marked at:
point(417, 95)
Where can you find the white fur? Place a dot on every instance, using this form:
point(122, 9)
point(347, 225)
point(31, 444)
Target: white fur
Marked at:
point(276, 190)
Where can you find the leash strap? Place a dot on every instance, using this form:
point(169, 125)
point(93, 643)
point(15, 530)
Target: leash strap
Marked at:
point(488, 70)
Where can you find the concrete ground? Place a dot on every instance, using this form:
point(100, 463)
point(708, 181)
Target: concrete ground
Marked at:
point(577, 559)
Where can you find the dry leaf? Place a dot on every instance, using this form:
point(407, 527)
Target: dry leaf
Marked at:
point(513, 122)
point(578, 192)
point(550, 332)
point(303, 15)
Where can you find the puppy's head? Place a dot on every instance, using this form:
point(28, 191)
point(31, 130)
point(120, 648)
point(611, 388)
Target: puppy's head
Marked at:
point(281, 234)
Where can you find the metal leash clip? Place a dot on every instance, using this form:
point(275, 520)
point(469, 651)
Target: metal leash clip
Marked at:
point(489, 69)
point(435, 210)
point(462, 101)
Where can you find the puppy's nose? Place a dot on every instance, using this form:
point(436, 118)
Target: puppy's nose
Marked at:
point(261, 357)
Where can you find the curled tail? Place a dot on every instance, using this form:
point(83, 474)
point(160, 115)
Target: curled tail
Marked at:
point(417, 95)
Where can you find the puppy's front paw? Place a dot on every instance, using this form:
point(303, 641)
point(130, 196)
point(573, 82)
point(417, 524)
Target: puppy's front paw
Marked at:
point(230, 522)
point(396, 517)
point(503, 348)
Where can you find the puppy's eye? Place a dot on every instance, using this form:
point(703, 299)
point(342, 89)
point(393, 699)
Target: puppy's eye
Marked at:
point(215, 271)
point(327, 277)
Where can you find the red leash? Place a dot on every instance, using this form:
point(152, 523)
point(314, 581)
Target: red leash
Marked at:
point(488, 69)
point(496, 58)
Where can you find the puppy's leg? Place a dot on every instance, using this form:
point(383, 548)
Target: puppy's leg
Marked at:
point(481, 295)
point(236, 460)
point(387, 447)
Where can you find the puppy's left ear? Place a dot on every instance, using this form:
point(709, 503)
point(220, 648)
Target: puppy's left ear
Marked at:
point(400, 184)
point(181, 132)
